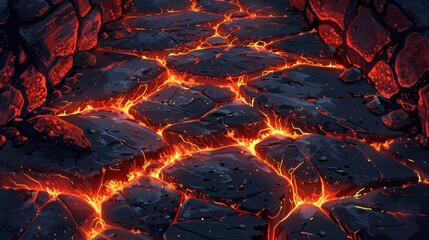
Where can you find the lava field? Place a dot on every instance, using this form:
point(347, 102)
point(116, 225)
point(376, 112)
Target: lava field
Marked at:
point(208, 120)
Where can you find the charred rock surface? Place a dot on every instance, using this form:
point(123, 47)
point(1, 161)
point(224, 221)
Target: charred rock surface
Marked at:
point(214, 119)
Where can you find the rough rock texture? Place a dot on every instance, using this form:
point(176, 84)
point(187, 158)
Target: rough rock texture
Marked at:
point(215, 129)
point(227, 175)
point(222, 62)
point(213, 119)
point(11, 103)
point(50, 43)
point(146, 204)
point(113, 141)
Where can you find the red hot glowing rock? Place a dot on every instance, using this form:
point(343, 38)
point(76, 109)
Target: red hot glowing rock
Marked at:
point(333, 10)
point(53, 40)
point(33, 83)
point(423, 108)
point(58, 131)
point(11, 103)
point(383, 79)
point(412, 61)
point(329, 35)
point(366, 36)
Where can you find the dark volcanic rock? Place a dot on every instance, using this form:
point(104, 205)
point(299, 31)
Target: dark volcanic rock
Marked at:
point(229, 175)
point(324, 116)
point(237, 119)
point(417, 10)
point(345, 167)
point(397, 119)
point(410, 151)
point(308, 222)
point(376, 106)
point(395, 213)
point(114, 76)
point(115, 142)
point(89, 28)
point(267, 7)
point(166, 31)
point(111, 10)
point(270, 203)
point(34, 214)
point(173, 104)
point(138, 204)
point(351, 75)
point(50, 43)
point(4, 11)
point(262, 28)
point(31, 10)
point(307, 46)
point(199, 219)
point(120, 234)
point(396, 19)
point(216, 6)
point(137, 7)
point(309, 82)
point(55, 130)
point(223, 62)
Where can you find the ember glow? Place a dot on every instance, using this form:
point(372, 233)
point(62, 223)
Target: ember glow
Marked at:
point(287, 133)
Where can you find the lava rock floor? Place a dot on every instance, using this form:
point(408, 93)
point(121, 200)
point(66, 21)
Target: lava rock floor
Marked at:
point(215, 120)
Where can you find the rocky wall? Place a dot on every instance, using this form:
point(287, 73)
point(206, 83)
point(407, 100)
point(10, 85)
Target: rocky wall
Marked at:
point(40, 41)
point(386, 41)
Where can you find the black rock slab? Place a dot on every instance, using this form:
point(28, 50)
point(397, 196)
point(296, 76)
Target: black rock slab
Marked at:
point(121, 234)
point(248, 30)
point(411, 152)
point(306, 47)
point(144, 7)
point(346, 116)
point(195, 209)
point(393, 213)
point(217, 94)
point(170, 31)
point(237, 118)
point(172, 104)
point(174, 39)
point(283, 153)
point(223, 62)
point(140, 203)
point(215, 6)
point(203, 220)
point(272, 202)
point(267, 7)
point(347, 167)
point(166, 20)
point(344, 167)
point(229, 175)
point(114, 76)
point(18, 208)
point(116, 142)
point(27, 214)
point(310, 82)
point(308, 222)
